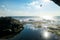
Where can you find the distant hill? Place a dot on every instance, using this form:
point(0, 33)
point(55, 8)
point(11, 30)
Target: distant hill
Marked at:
point(24, 16)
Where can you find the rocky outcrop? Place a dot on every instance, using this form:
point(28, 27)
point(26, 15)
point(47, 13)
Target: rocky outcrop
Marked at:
point(10, 24)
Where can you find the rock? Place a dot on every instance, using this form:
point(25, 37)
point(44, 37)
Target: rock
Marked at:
point(11, 24)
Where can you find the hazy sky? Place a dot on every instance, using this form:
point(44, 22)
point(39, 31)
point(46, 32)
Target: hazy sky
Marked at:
point(28, 8)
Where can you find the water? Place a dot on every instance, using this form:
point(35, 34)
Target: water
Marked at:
point(32, 33)
point(25, 18)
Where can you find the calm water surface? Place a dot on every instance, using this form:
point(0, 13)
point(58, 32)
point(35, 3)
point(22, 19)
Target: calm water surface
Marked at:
point(32, 33)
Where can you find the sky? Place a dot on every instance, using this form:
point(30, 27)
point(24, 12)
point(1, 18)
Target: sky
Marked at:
point(29, 8)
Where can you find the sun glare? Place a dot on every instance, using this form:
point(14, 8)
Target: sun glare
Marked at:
point(46, 0)
point(46, 34)
point(47, 17)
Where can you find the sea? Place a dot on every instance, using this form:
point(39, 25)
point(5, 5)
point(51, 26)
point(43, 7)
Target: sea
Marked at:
point(31, 33)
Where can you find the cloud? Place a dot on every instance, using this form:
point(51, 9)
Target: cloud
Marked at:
point(32, 8)
point(38, 4)
point(15, 13)
point(4, 7)
point(34, 4)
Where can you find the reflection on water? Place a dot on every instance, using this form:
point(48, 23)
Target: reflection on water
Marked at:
point(32, 33)
point(46, 34)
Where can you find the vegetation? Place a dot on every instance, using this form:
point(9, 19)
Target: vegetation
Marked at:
point(9, 25)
